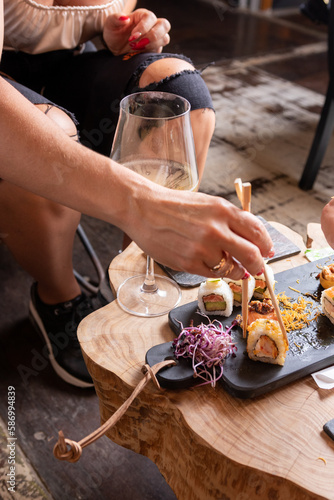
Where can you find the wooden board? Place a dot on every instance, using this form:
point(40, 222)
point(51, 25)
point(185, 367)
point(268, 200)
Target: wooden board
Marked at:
point(206, 443)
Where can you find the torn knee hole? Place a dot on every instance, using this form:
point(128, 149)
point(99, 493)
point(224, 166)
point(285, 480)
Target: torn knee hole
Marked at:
point(163, 70)
point(60, 118)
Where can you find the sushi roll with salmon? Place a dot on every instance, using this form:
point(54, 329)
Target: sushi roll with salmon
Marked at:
point(236, 287)
point(258, 309)
point(327, 303)
point(261, 290)
point(215, 297)
point(265, 342)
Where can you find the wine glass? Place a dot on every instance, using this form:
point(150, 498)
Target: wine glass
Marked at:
point(154, 138)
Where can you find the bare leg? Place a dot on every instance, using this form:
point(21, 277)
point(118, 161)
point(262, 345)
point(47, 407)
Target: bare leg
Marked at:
point(202, 120)
point(40, 233)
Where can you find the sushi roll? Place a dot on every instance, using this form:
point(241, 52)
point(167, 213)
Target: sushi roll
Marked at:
point(261, 290)
point(327, 276)
point(236, 287)
point(215, 297)
point(265, 342)
point(327, 303)
point(258, 309)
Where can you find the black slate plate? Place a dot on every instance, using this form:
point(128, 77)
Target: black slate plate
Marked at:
point(283, 247)
point(310, 350)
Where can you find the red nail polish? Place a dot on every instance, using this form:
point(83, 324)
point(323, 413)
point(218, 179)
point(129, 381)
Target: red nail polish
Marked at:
point(123, 18)
point(261, 272)
point(246, 275)
point(141, 44)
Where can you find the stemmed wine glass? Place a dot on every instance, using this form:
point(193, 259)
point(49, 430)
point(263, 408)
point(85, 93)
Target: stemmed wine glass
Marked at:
point(154, 138)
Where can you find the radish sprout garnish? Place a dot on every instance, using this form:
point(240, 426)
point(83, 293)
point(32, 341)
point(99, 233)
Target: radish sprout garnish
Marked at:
point(207, 346)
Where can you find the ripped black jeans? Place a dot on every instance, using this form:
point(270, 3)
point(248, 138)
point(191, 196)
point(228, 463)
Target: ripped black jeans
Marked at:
point(90, 84)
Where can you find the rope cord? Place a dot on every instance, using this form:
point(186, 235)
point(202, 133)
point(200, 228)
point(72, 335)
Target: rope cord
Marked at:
point(67, 449)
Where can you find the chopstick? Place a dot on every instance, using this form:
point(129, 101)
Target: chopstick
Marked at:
point(276, 307)
point(244, 191)
point(238, 188)
point(246, 194)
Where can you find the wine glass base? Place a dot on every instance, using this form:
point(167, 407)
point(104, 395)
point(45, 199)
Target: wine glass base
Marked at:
point(134, 300)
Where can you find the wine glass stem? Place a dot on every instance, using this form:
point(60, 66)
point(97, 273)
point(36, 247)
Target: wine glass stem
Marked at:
point(149, 284)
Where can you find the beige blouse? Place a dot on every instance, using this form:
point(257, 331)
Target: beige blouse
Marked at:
point(34, 28)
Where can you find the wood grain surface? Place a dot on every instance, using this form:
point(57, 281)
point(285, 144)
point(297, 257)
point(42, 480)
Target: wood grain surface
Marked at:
point(207, 444)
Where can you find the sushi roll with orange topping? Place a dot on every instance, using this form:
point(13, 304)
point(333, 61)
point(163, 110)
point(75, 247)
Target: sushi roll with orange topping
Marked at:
point(265, 342)
point(215, 297)
point(327, 303)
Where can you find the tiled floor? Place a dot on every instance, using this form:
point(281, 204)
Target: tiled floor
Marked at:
point(268, 83)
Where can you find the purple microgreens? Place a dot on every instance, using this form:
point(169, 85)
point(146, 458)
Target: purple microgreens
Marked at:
point(207, 346)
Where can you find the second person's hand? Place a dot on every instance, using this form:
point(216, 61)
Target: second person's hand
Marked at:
point(139, 31)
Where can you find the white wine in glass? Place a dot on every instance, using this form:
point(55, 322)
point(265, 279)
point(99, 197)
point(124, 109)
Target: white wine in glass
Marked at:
point(154, 138)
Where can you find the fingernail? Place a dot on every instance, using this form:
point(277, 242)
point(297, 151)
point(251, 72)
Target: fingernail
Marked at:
point(135, 36)
point(246, 276)
point(123, 18)
point(141, 44)
point(271, 253)
point(261, 272)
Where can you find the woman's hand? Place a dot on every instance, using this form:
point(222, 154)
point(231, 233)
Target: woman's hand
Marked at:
point(139, 31)
point(193, 232)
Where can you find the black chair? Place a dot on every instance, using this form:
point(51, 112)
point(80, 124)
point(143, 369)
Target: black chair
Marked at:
point(91, 285)
point(99, 286)
point(326, 123)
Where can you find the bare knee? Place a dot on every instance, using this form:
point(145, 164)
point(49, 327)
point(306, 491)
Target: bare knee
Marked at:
point(172, 74)
point(60, 118)
point(163, 68)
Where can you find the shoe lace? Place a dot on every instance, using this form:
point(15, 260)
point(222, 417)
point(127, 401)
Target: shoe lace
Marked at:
point(74, 311)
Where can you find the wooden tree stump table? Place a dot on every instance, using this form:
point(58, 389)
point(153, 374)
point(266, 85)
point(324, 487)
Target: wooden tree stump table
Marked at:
point(206, 443)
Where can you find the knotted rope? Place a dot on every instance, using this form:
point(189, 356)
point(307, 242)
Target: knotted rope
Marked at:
point(66, 449)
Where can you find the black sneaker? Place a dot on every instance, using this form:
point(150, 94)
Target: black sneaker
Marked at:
point(57, 324)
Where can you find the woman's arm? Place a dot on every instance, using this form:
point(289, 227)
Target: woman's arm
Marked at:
point(37, 155)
